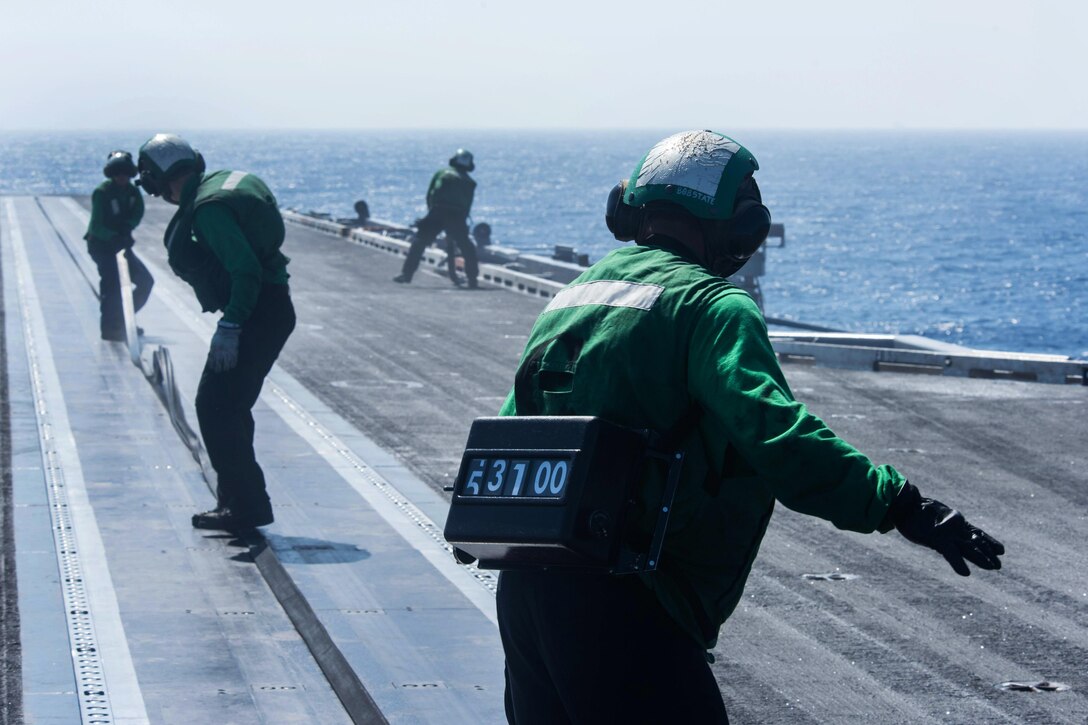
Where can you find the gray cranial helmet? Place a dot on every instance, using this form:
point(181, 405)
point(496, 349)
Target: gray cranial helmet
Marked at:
point(462, 160)
point(163, 158)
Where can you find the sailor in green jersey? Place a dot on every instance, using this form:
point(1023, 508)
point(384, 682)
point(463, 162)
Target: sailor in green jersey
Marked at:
point(225, 242)
point(654, 337)
point(116, 209)
point(449, 201)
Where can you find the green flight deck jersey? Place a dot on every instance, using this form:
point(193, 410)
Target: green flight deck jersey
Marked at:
point(225, 241)
point(645, 337)
point(116, 209)
point(451, 191)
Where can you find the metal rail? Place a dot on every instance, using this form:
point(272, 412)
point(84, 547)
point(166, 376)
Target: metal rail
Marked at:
point(968, 363)
point(497, 275)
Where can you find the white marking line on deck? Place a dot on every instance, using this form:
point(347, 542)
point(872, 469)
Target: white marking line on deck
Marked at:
point(126, 699)
point(404, 516)
point(413, 525)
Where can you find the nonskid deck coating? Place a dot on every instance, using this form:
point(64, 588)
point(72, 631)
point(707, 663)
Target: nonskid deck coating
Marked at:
point(906, 641)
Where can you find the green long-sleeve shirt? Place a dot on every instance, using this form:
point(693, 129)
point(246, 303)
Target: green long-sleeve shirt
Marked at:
point(639, 339)
point(225, 241)
point(116, 209)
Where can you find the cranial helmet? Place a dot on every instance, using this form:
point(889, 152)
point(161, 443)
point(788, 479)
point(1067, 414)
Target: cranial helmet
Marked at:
point(709, 176)
point(163, 158)
point(462, 160)
point(482, 233)
point(119, 162)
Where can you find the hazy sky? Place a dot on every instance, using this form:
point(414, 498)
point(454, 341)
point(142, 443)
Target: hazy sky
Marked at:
point(76, 64)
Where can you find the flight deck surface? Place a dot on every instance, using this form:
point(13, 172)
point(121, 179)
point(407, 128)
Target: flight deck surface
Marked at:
point(360, 428)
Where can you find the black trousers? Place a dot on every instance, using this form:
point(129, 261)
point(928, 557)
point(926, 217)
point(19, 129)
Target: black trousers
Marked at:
point(224, 404)
point(586, 647)
point(112, 316)
point(428, 228)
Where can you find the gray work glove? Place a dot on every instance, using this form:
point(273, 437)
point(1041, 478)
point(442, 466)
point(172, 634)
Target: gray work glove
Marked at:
point(930, 523)
point(223, 354)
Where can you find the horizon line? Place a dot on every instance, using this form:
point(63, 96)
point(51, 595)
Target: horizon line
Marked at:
point(561, 129)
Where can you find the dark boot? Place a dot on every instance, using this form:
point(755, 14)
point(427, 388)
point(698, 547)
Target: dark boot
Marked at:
point(222, 518)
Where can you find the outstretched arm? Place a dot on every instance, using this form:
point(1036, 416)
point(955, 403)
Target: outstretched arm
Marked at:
point(808, 467)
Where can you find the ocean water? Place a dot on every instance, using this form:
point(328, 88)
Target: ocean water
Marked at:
point(979, 239)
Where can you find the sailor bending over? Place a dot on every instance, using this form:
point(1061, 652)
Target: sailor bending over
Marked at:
point(225, 242)
point(449, 201)
point(116, 210)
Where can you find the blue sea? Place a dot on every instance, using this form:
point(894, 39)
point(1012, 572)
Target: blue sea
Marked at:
point(976, 238)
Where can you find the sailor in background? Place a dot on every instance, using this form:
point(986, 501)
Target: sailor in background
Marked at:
point(116, 209)
point(225, 242)
point(449, 201)
point(481, 234)
point(654, 337)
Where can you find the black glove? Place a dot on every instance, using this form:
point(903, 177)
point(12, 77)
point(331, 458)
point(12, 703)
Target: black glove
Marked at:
point(223, 354)
point(931, 523)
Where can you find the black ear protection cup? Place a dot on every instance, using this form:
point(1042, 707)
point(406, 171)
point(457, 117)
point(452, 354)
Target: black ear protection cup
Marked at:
point(736, 239)
point(747, 229)
point(622, 219)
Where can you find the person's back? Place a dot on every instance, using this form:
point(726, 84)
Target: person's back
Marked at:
point(253, 207)
point(221, 268)
point(451, 192)
point(689, 340)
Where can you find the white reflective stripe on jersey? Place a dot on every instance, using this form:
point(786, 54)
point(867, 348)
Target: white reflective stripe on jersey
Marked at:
point(607, 292)
point(234, 179)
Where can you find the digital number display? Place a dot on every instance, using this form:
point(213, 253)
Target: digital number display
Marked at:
point(517, 478)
